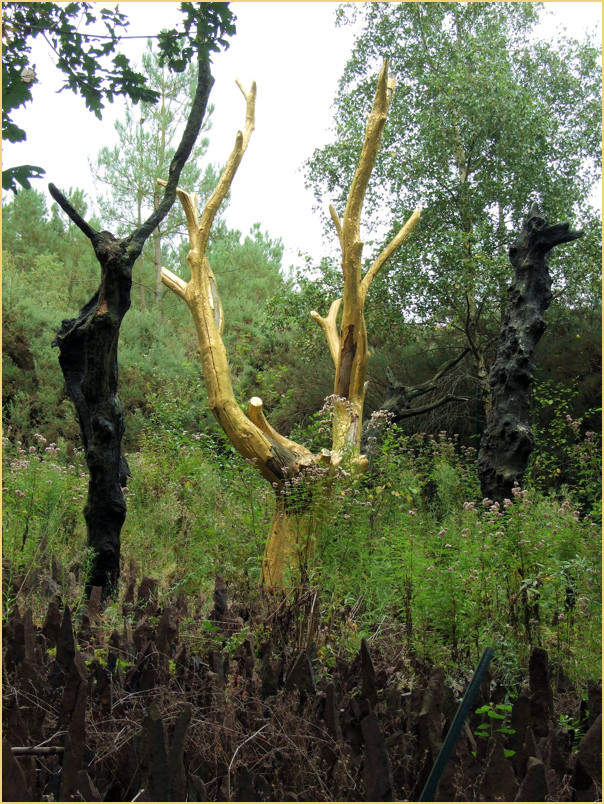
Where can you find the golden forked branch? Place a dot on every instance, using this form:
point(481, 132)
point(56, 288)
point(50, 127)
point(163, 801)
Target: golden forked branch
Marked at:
point(349, 229)
point(226, 179)
point(330, 328)
point(252, 435)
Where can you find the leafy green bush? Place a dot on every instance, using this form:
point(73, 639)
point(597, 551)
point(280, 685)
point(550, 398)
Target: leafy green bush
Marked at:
point(462, 574)
point(566, 453)
point(43, 494)
point(409, 547)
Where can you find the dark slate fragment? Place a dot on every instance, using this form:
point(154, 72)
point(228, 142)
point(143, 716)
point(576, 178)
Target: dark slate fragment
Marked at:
point(534, 785)
point(13, 783)
point(377, 773)
point(542, 696)
point(368, 683)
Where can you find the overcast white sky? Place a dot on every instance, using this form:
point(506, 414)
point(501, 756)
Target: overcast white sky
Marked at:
point(295, 54)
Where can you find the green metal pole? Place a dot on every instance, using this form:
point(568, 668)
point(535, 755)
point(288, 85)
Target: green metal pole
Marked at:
point(455, 728)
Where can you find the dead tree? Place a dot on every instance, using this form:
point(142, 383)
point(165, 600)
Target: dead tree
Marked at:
point(400, 398)
point(88, 348)
point(508, 442)
point(292, 538)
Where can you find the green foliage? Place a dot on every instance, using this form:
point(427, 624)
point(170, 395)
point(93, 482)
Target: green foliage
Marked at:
point(495, 719)
point(415, 545)
point(86, 64)
point(206, 26)
point(194, 509)
point(90, 64)
point(43, 497)
point(409, 546)
point(483, 121)
point(566, 452)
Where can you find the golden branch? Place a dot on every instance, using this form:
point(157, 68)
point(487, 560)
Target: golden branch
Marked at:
point(394, 244)
point(189, 204)
point(330, 328)
point(175, 283)
point(226, 179)
point(336, 222)
point(257, 417)
point(351, 229)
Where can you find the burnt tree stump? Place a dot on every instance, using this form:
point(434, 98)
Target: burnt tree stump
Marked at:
point(508, 441)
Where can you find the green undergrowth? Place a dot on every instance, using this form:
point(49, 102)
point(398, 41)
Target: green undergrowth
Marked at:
point(410, 551)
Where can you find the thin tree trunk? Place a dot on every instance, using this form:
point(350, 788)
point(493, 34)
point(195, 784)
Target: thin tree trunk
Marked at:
point(88, 357)
point(157, 253)
point(508, 442)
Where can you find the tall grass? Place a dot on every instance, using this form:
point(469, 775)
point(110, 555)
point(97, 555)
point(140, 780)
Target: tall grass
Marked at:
point(410, 547)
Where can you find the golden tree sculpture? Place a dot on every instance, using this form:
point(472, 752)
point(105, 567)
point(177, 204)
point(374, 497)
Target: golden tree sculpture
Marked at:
point(296, 522)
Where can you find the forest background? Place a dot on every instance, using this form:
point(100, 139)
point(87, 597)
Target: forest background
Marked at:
point(413, 543)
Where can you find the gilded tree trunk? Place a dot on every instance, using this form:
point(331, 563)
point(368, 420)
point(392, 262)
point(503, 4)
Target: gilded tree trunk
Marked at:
point(302, 481)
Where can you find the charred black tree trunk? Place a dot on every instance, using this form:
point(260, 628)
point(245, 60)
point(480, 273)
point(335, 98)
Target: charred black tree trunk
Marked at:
point(88, 358)
point(508, 442)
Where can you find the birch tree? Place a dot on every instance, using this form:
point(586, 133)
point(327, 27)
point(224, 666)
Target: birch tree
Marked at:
point(486, 116)
point(301, 480)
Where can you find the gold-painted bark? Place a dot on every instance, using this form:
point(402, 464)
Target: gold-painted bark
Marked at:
point(348, 348)
point(277, 458)
point(289, 466)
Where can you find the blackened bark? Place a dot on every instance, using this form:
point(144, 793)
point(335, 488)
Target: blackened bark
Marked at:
point(88, 358)
point(88, 348)
point(508, 442)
